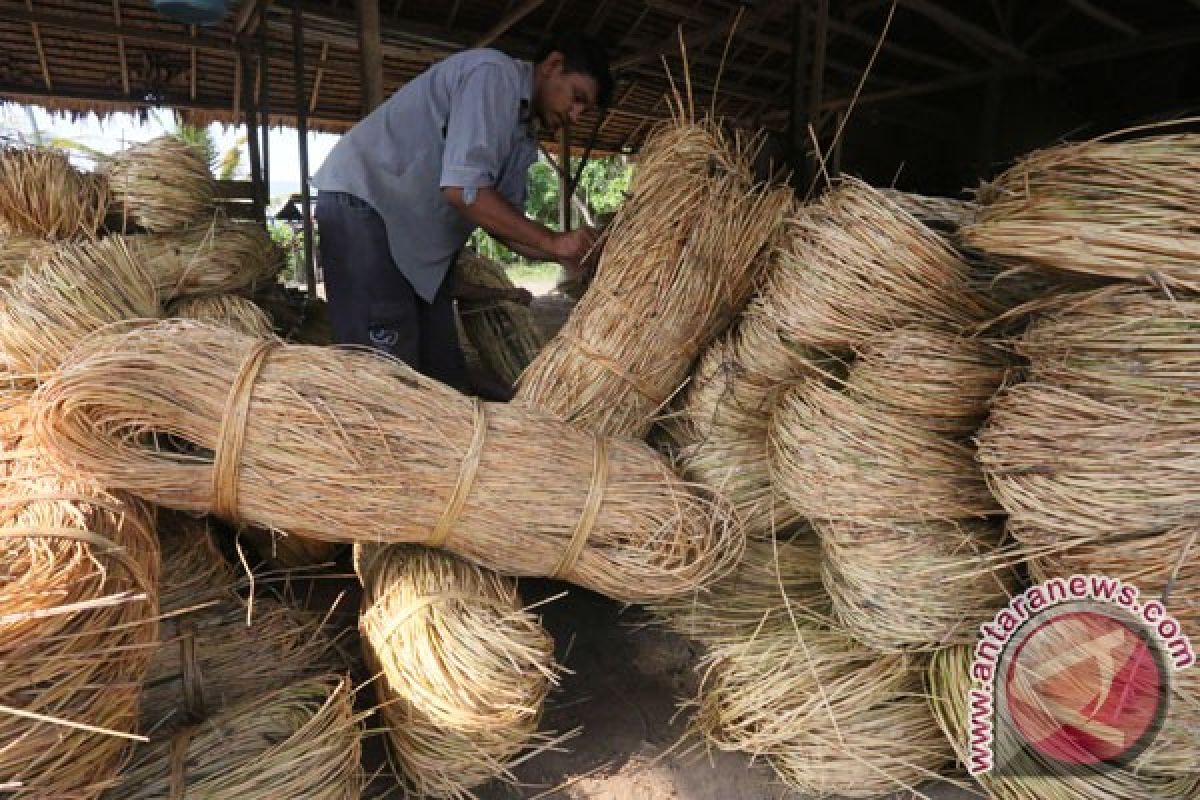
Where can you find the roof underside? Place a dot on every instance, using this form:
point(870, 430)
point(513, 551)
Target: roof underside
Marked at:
point(119, 55)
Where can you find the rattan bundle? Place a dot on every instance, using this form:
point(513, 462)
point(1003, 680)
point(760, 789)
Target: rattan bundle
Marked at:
point(502, 332)
point(1147, 562)
point(464, 668)
point(831, 717)
point(1115, 209)
point(681, 259)
point(349, 446)
point(42, 195)
point(16, 252)
point(1131, 346)
point(1066, 467)
point(835, 458)
point(949, 681)
point(160, 185)
point(773, 581)
point(227, 309)
point(914, 585)
point(194, 572)
point(78, 621)
point(78, 289)
point(285, 551)
point(215, 257)
point(299, 741)
point(858, 266)
point(937, 380)
point(941, 212)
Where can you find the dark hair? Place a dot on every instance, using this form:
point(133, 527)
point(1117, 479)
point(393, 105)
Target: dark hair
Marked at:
point(584, 54)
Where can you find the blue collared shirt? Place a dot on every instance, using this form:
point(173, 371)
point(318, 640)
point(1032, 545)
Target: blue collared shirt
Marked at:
point(466, 122)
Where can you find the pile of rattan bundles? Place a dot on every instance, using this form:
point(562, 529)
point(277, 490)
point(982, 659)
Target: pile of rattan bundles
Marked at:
point(1102, 208)
point(78, 591)
point(776, 580)
point(298, 741)
point(232, 310)
point(381, 454)
point(160, 185)
point(16, 252)
point(42, 195)
point(947, 213)
point(463, 668)
point(502, 331)
point(216, 650)
point(949, 682)
point(831, 716)
point(681, 259)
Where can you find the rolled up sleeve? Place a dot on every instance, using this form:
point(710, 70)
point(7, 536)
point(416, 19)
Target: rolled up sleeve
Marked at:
point(483, 113)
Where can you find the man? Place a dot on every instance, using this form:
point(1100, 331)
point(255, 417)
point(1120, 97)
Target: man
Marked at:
point(402, 191)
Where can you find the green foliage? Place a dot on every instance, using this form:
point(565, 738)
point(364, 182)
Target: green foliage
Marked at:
point(292, 241)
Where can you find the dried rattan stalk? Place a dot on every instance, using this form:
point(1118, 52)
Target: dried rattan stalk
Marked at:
point(1116, 209)
point(681, 259)
point(161, 185)
point(299, 741)
point(78, 621)
point(1066, 467)
point(464, 668)
point(227, 309)
point(857, 266)
point(502, 332)
point(773, 580)
point(936, 380)
point(834, 458)
point(75, 291)
point(1129, 346)
point(939, 212)
point(289, 551)
point(16, 252)
point(215, 257)
point(42, 195)
point(210, 659)
point(376, 452)
point(831, 717)
point(914, 585)
point(1148, 562)
point(949, 680)
point(194, 572)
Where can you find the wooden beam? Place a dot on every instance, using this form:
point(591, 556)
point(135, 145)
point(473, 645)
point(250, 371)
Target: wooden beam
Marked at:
point(1183, 37)
point(264, 102)
point(423, 33)
point(1104, 18)
point(124, 62)
point(453, 14)
point(699, 39)
point(370, 54)
point(596, 21)
point(799, 106)
point(316, 90)
point(192, 64)
point(244, 15)
point(507, 21)
point(1046, 27)
point(310, 271)
point(892, 48)
point(41, 51)
point(564, 179)
point(964, 29)
point(816, 82)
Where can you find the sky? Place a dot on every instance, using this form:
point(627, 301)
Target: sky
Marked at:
point(120, 130)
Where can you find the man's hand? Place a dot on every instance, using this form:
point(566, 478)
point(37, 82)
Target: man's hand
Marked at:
point(570, 248)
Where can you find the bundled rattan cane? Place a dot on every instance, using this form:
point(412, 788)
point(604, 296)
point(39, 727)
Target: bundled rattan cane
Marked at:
point(298, 741)
point(78, 610)
point(835, 458)
point(161, 185)
point(194, 572)
point(859, 266)
point(681, 259)
point(950, 680)
point(1115, 209)
point(914, 585)
point(1067, 467)
point(830, 716)
point(227, 309)
point(948, 213)
point(16, 252)
point(215, 257)
point(937, 380)
point(77, 290)
point(464, 669)
point(773, 582)
point(502, 332)
point(43, 195)
point(378, 453)
point(1134, 347)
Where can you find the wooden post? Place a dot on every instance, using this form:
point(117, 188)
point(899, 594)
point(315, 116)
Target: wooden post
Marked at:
point(310, 272)
point(798, 118)
point(565, 189)
point(816, 84)
point(251, 111)
point(264, 105)
point(370, 49)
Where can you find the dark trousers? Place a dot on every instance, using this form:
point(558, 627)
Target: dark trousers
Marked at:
point(372, 304)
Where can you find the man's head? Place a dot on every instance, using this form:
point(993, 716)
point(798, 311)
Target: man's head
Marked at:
point(570, 78)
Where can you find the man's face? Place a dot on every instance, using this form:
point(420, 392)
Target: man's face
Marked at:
point(561, 96)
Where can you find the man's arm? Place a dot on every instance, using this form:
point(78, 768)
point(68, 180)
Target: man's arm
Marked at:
point(490, 211)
